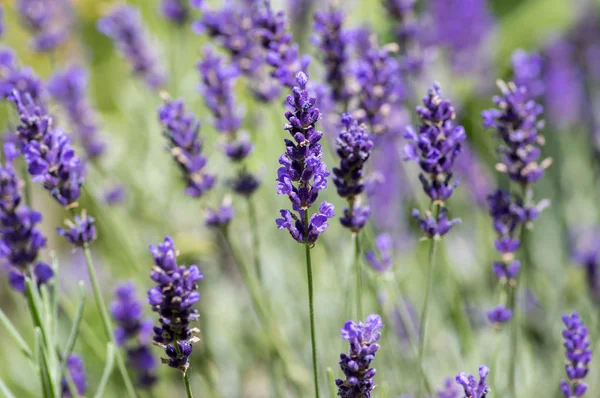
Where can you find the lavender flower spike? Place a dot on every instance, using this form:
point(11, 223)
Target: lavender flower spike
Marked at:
point(182, 129)
point(48, 22)
point(473, 388)
point(77, 373)
point(173, 298)
point(302, 173)
point(124, 26)
point(81, 232)
point(356, 364)
point(175, 11)
point(578, 354)
point(434, 147)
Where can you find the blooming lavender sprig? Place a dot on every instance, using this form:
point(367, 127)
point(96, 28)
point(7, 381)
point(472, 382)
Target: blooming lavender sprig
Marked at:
point(134, 333)
point(302, 173)
point(221, 217)
point(22, 79)
point(378, 75)
point(356, 365)
point(69, 88)
point(20, 239)
point(578, 354)
point(76, 371)
point(123, 24)
point(173, 298)
point(472, 387)
point(354, 148)
point(181, 128)
point(175, 11)
point(435, 146)
point(47, 20)
point(332, 42)
point(81, 230)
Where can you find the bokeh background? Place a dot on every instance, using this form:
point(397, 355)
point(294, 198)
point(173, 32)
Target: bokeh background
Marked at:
point(234, 358)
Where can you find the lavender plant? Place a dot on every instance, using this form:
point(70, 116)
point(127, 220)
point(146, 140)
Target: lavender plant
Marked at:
point(578, 354)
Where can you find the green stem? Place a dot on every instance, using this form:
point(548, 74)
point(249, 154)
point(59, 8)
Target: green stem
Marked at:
point(255, 238)
point(188, 387)
point(425, 312)
point(27, 188)
point(106, 322)
point(514, 336)
point(358, 270)
point(311, 308)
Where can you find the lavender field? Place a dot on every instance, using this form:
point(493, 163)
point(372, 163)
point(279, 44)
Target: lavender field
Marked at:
point(299, 198)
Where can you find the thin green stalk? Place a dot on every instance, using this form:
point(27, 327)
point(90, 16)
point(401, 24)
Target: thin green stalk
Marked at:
point(514, 336)
point(188, 387)
point(311, 309)
point(27, 180)
point(358, 271)
point(255, 238)
point(332, 385)
point(425, 312)
point(106, 322)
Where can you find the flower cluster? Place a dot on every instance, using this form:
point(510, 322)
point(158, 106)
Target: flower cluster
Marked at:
point(356, 364)
point(332, 42)
point(48, 21)
point(434, 147)
point(302, 173)
point(173, 298)
point(134, 333)
point(69, 88)
point(517, 126)
point(221, 217)
point(354, 148)
point(407, 34)
point(527, 70)
point(77, 373)
point(472, 387)
point(182, 129)
point(20, 240)
point(81, 230)
point(379, 77)
point(124, 26)
point(578, 354)
point(175, 11)
point(385, 246)
point(24, 80)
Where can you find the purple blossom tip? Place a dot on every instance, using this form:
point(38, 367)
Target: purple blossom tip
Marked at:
point(578, 354)
point(81, 231)
point(472, 387)
point(499, 315)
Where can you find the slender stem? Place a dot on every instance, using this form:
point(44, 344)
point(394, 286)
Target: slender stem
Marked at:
point(108, 328)
point(255, 238)
point(27, 188)
point(514, 336)
point(311, 308)
point(358, 275)
point(425, 312)
point(188, 387)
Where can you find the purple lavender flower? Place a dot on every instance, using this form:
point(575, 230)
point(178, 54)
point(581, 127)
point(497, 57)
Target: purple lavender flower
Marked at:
point(182, 129)
point(115, 195)
point(173, 298)
point(407, 34)
point(221, 217)
point(381, 87)
point(517, 125)
point(435, 147)
point(474, 389)
point(175, 11)
point(48, 22)
point(578, 354)
point(385, 246)
point(77, 373)
point(81, 232)
point(302, 164)
point(20, 240)
point(449, 390)
point(134, 333)
point(354, 148)
point(527, 69)
point(356, 364)
point(587, 255)
point(244, 183)
point(123, 25)
point(69, 88)
point(499, 315)
point(24, 80)
point(332, 42)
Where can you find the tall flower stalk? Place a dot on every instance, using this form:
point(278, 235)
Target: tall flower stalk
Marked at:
point(578, 355)
point(301, 176)
point(434, 147)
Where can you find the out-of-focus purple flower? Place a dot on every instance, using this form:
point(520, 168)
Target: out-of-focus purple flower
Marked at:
point(517, 126)
point(175, 11)
point(332, 42)
point(134, 333)
point(356, 364)
point(434, 147)
point(181, 128)
point(1, 20)
point(221, 217)
point(578, 354)
point(586, 253)
point(48, 21)
point(472, 387)
point(123, 24)
point(527, 69)
point(77, 372)
point(115, 195)
point(302, 173)
point(13, 77)
point(449, 390)
point(500, 315)
point(475, 176)
point(378, 75)
point(173, 297)
point(244, 183)
point(564, 92)
point(69, 88)
point(407, 34)
point(385, 247)
point(403, 325)
point(354, 148)
point(81, 232)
